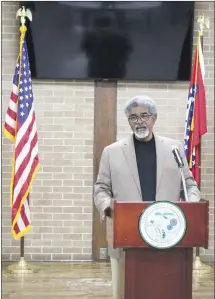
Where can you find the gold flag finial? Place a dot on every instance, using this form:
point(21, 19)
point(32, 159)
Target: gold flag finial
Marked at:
point(23, 14)
point(203, 23)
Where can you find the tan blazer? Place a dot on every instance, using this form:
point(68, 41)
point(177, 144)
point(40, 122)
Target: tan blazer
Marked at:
point(118, 177)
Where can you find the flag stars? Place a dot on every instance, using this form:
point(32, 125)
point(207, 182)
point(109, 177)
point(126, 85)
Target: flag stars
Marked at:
point(25, 101)
point(195, 90)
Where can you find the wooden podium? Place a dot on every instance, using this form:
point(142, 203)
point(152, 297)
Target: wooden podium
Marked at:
point(158, 273)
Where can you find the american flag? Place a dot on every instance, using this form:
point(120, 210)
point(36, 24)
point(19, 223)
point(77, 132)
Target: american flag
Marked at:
point(20, 127)
point(196, 123)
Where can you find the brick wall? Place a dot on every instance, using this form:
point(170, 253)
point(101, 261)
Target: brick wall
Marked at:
point(61, 199)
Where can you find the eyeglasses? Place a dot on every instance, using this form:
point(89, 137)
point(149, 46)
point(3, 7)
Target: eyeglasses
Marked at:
point(136, 118)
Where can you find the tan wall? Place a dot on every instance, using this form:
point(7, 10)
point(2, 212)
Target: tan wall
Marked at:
point(61, 198)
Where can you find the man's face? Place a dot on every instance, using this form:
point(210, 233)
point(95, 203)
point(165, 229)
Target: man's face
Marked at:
point(141, 123)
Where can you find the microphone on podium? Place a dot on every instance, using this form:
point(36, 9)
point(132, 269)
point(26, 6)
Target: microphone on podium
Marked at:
point(180, 163)
point(177, 157)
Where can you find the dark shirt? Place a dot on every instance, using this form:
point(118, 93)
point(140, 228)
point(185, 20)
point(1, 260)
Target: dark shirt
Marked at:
point(147, 168)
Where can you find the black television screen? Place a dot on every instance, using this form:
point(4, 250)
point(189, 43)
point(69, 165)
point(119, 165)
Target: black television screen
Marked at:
point(150, 41)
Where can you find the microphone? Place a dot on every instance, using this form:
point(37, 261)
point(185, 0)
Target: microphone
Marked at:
point(178, 158)
point(180, 163)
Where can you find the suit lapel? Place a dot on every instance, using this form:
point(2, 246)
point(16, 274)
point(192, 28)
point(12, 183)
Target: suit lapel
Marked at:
point(129, 152)
point(160, 156)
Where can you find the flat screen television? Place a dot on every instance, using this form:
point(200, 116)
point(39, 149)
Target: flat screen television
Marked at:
point(147, 40)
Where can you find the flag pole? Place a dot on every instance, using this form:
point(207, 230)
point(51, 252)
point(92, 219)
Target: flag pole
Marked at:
point(200, 268)
point(22, 247)
point(22, 267)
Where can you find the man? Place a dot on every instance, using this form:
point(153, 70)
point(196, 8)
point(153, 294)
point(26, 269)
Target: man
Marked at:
point(139, 168)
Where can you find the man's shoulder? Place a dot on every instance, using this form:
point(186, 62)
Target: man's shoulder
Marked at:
point(117, 144)
point(168, 141)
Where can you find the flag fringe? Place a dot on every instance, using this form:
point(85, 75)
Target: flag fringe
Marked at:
point(22, 233)
point(9, 135)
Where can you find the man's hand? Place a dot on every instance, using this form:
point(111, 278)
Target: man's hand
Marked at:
point(107, 213)
point(102, 217)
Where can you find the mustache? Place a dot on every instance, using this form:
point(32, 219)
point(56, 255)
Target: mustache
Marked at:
point(140, 127)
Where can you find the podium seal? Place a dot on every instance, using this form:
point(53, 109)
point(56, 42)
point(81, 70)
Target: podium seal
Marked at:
point(162, 225)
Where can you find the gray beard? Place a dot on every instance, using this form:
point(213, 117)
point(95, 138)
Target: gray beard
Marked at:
point(141, 134)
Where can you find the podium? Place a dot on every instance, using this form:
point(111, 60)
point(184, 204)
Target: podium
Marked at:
point(152, 273)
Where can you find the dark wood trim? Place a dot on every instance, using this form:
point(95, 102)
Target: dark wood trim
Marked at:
point(105, 128)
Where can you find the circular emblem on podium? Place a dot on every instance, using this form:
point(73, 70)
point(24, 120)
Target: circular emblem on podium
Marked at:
point(162, 225)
